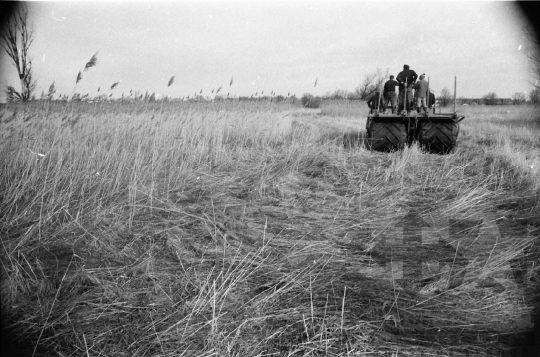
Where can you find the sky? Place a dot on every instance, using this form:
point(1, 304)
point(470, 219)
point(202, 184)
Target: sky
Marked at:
point(280, 46)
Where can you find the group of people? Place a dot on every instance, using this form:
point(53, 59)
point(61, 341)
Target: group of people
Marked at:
point(406, 81)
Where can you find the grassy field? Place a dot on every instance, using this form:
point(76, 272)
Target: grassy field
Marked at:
point(263, 229)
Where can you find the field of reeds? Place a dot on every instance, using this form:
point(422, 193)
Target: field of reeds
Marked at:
point(264, 229)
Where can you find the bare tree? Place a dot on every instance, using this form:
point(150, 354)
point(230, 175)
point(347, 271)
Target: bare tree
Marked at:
point(519, 98)
point(371, 83)
point(16, 38)
point(490, 98)
point(533, 53)
point(534, 96)
point(445, 98)
point(339, 94)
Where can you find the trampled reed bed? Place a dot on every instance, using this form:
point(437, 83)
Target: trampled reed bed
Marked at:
point(238, 229)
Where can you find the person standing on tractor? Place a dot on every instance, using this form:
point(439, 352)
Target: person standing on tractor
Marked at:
point(374, 102)
point(431, 101)
point(389, 93)
point(406, 80)
point(421, 94)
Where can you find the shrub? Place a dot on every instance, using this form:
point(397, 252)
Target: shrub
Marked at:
point(309, 101)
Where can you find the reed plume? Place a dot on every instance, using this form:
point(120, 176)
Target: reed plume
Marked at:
point(91, 63)
point(52, 90)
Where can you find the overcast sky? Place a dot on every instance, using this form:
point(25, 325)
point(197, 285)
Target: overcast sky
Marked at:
point(274, 45)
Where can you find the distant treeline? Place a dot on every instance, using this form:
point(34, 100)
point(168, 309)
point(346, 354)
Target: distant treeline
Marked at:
point(487, 101)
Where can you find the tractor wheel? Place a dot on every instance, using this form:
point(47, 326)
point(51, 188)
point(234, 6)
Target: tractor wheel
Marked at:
point(438, 137)
point(387, 136)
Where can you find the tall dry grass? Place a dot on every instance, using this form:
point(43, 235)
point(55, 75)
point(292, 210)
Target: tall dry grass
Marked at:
point(239, 229)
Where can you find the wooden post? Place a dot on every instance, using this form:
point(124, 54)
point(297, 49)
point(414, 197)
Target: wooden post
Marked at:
point(427, 97)
point(455, 87)
point(405, 104)
point(378, 100)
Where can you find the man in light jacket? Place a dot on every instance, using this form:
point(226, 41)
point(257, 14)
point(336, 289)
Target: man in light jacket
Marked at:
point(421, 94)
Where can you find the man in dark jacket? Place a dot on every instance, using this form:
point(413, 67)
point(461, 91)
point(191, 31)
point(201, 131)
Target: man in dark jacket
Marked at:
point(374, 102)
point(389, 93)
point(431, 101)
point(406, 79)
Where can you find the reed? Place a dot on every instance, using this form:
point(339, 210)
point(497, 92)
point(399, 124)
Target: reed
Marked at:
point(256, 228)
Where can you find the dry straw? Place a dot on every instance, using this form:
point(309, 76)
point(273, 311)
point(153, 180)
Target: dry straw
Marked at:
point(249, 228)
